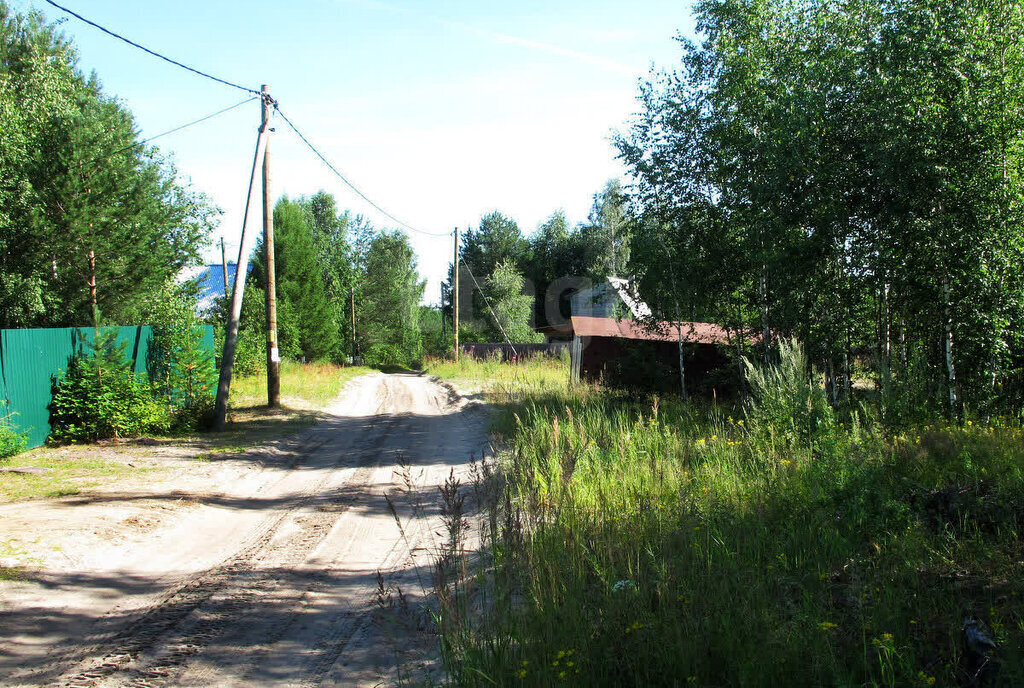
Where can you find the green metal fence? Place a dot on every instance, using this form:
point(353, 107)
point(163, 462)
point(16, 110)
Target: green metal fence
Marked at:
point(30, 361)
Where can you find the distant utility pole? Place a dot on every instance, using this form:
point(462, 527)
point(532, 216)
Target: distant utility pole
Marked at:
point(273, 353)
point(224, 265)
point(455, 294)
point(352, 301)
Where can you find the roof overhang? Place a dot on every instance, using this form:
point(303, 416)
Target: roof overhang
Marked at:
point(663, 331)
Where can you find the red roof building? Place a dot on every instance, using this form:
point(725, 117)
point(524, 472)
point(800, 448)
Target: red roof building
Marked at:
point(633, 354)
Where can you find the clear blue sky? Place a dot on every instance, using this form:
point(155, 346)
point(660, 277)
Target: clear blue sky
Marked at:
point(439, 111)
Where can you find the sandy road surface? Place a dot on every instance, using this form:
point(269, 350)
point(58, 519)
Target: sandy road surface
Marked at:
point(269, 577)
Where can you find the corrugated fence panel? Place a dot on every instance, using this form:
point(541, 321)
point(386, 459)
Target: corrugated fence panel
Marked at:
point(30, 361)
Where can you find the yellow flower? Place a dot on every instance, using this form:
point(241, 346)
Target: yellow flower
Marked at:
point(887, 636)
point(522, 673)
point(827, 625)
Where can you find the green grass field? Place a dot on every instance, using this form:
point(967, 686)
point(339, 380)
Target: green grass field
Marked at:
point(638, 542)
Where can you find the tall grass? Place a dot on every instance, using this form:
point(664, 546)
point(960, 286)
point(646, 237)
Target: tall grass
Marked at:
point(504, 380)
point(303, 385)
point(638, 542)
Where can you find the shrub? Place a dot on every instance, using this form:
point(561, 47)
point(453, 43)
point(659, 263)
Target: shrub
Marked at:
point(100, 396)
point(786, 405)
point(180, 368)
point(11, 440)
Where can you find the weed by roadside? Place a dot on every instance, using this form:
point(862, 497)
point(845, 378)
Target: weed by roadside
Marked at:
point(304, 386)
point(501, 381)
point(646, 542)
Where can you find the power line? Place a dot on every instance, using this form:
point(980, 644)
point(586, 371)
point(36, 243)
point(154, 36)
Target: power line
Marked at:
point(152, 52)
point(258, 94)
point(199, 121)
point(350, 185)
point(497, 320)
point(169, 131)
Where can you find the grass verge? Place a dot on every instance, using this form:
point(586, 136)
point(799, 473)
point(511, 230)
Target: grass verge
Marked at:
point(643, 543)
point(304, 386)
point(502, 381)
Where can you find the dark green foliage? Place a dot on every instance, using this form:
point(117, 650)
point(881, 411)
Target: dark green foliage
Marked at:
point(436, 333)
point(847, 173)
point(180, 368)
point(100, 396)
point(388, 313)
point(335, 258)
point(497, 240)
point(308, 322)
point(74, 178)
point(510, 310)
point(251, 348)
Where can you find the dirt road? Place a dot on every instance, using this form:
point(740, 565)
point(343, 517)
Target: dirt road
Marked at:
point(269, 576)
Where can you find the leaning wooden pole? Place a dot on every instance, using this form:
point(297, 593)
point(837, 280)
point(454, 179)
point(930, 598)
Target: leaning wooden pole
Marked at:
point(273, 353)
point(224, 265)
point(220, 408)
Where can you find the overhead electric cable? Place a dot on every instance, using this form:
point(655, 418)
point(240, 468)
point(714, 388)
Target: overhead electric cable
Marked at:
point(200, 120)
point(169, 131)
point(350, 185)
point(152, 52)
point(497, 320)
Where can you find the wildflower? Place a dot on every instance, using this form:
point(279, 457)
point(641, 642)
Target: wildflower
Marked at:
point(561, 674)
point(785, 462)
point(827, 625)
point(621, 585)
point(561, 653)
point(714, 437)
point(887, 636)
point(522, 673)
point(554, 663)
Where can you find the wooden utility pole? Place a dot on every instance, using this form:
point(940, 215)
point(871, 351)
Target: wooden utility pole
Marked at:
point(455, 294)
point(220, 408)
point(273, 353)
point(352, 301)
point(224, 265)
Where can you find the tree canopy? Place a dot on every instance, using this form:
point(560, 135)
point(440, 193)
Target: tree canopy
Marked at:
point(75, 178)
point(849, 173)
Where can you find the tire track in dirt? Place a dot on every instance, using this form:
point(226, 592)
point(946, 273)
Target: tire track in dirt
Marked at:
point(201, 609)
point(275, 611)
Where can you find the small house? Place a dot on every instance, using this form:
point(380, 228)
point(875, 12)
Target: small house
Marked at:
point(624, 353)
